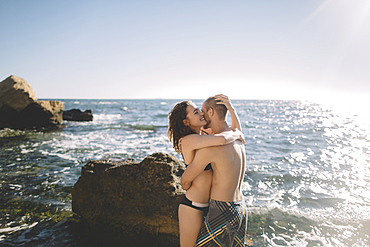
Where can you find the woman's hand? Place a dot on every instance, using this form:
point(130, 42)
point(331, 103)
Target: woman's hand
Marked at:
point(231, 136)
point(240, 135)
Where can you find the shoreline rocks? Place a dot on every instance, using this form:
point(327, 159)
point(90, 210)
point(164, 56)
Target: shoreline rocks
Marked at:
point(20, 109)
point(131, 202)
point(16, 93)
point(77, 115)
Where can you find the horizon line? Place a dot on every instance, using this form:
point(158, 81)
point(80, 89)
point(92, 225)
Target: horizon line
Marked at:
point(182, 98)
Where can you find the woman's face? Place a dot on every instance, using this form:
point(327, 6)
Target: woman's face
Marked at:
point(194, 117)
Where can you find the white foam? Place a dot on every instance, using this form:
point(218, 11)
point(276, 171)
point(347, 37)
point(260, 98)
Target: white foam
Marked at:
point(106, 118)
point(17, 228)
point(107, 103)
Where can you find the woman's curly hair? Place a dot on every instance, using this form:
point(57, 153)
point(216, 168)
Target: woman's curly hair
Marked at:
point(176, 128)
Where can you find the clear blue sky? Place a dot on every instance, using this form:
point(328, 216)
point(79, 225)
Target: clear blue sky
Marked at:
point(284, 49)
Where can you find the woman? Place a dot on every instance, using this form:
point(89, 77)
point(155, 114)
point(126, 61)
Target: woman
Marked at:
point(186, 123)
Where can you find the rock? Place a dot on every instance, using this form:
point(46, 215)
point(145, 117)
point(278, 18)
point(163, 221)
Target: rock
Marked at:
point(42, 113)
point(16, 93)
point(77, 115)
point(19, 107)
point(132, 202)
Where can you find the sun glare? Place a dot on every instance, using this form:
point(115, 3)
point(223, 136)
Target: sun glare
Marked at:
point(350, 25)
point(349, 104)
point(357, 19)
point(317, 11)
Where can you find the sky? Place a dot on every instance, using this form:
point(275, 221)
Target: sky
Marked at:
point(285, 49)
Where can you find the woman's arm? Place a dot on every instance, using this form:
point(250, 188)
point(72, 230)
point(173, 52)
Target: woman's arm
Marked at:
point(235, 121)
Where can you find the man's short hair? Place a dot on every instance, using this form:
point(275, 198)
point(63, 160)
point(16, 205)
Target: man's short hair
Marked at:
point(219, 108)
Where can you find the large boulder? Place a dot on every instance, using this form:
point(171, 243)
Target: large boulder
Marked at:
point(16, 93)
point(19, 107)
point(42, 113)
point(77, 115)
point(129, 202)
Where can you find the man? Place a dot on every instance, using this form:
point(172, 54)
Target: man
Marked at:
point(225, 223)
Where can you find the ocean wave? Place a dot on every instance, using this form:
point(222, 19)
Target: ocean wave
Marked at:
point(107, 103)
point(106, 118)
point(145, 127)
point(162, 115)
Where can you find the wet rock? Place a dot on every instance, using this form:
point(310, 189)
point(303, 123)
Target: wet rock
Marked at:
point(19, 107)
point(77, 115)
point(132, 202)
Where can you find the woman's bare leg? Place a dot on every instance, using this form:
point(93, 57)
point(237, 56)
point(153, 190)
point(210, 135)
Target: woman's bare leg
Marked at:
point(190, 221)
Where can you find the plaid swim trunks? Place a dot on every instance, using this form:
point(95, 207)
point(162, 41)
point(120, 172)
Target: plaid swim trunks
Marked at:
point(225, 225)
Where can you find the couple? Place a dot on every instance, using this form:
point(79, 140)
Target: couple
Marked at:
point(212, 212)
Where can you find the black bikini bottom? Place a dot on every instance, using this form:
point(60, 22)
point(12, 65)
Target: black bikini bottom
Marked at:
point(200, 206)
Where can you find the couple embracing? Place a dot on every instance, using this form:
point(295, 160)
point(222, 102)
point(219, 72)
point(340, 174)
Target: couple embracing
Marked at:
point(212, 212)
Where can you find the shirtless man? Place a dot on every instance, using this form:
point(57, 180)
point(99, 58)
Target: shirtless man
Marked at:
point(226, 221)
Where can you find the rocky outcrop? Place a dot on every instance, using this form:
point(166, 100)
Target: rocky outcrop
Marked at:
point(132, 202)
point(77, 115)
point(19, 107)
point(16, 93)
point(42, 113)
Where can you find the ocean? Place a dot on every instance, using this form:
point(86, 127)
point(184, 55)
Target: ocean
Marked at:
point(307, 178)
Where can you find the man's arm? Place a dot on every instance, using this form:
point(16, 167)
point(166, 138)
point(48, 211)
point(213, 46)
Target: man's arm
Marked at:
point(235, 121)
point(202, 158)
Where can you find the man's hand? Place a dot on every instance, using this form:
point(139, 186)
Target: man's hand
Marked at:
point(180, 145)
point(224, 100)
point(202, 158)
point(185, 185)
